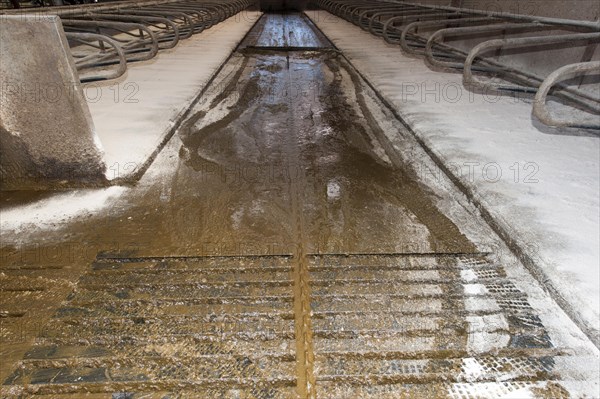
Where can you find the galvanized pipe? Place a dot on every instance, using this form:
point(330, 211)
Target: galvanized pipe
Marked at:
point(408, 31)
point(168, 36)
point(87, 62)
point(438, 37)
point(402, 23)
point(470, 80)
point(141, 48)
point(185, 25)
point(592, 25)
point(140, 30)
point(540, 108)
point(390, 26)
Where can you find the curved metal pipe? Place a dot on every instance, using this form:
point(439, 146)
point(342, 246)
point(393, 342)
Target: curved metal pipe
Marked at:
point(86, 63)
point(129, 47)
point(438, 37)
point(593, 25)
point(470, 80)
point(407, 31)
point(187, 27)
point(162, 37)
point(413, 17)
point(540, 109)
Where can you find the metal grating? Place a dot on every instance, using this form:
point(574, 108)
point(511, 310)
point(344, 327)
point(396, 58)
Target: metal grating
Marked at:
point(368, 326)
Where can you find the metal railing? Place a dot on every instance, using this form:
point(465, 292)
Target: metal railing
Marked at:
point(104, 38)
point(489, 49)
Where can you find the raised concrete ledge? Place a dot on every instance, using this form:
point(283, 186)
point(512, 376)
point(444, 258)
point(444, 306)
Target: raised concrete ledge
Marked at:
point(136, 114)
point(47, 137)
point(543, 201)
point(98, 133)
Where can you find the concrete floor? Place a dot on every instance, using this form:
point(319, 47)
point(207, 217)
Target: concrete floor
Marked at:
point(280, 246)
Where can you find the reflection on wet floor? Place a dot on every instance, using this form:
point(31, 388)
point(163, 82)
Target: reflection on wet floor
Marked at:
point(292, 124)
point(274, 124)
point(226, 272)
point(284, 30)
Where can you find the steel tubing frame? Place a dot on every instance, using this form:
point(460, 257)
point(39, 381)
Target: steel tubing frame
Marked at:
point(87, 61)
point(399, 23)
point(105, 37)
point(544, 114)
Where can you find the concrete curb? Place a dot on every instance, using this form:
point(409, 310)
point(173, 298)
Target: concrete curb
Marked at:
point(178, 120)
point(502, 230)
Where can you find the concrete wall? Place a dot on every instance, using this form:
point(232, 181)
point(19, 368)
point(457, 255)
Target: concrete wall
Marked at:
point(47, 136)
point(282, 5)
point(572, 9)
point(588, 10)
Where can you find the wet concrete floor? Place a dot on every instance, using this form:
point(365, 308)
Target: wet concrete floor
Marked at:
point(227, 271)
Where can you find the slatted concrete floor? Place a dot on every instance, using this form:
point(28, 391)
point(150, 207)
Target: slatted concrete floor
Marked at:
point(197, 325)
point(411, 326)
point(389, 326)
